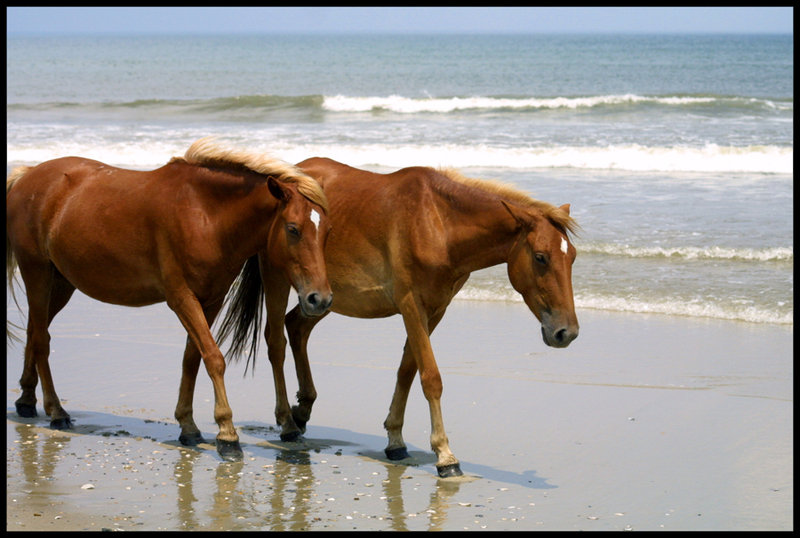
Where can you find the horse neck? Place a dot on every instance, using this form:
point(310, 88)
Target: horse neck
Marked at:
point(480, 233)
point(244, 208)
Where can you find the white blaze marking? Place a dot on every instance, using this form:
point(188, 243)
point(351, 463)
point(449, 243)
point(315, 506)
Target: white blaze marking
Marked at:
point(563, 245)
point(315, 220)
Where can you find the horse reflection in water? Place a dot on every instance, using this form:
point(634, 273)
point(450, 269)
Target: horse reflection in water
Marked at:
point(179, 234)
point(294, 494)
point(405, 243)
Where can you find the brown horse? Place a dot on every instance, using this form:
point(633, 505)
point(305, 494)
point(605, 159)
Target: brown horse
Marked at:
point(405, 243)
point(179, 234)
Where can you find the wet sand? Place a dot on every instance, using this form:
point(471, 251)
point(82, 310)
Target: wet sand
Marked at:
point(645, 422)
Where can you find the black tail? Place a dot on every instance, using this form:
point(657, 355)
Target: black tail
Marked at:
point(243, 317)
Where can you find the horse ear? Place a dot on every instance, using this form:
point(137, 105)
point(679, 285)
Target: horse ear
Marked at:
point(519, 215)
point(277, 189)
point(565, 208)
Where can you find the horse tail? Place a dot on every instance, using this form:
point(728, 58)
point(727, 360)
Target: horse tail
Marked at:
point(243, 317)
point(11, 260)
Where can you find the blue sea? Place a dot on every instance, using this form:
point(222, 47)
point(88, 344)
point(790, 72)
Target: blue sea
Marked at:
point(675, 152)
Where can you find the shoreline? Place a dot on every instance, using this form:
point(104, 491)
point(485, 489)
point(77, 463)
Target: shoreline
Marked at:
point(646, 422)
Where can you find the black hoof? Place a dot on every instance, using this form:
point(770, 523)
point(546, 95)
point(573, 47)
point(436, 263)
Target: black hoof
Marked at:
point(301, 423)
point(191, 439)
point(447, 471)
point(292, 437)
point(61, 423)
point(229, 450)
point(395, 454)
point(26, 410)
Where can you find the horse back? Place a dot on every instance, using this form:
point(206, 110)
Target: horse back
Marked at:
point(405, 193)
point(59, 179)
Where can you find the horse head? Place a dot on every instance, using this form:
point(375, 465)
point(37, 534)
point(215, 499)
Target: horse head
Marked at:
point(297, 241)
point(540, 269)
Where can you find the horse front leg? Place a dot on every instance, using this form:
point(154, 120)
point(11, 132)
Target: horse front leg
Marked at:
point(276, 298)
point(299, 328)
point(419, 345)
point(188, 310)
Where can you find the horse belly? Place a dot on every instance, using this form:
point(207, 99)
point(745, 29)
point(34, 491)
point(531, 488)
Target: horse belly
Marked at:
point(114, 284)
point(104, 265)
point(359, 296)
point(362, 303)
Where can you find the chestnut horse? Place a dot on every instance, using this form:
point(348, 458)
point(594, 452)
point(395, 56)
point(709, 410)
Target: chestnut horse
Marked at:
point(180, 234)
point(405, 243)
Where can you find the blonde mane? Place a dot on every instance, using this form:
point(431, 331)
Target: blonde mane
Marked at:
point(206, 152)
point(512, 194)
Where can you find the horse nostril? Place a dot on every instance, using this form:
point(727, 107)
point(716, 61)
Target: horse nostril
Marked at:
point(561, 336)
point(318, 302)
point(564, 336)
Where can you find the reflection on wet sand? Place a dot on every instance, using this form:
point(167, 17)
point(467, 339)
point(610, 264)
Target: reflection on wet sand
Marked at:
point(437, 504)
point(281, 487)
point(184, 468)
point(38, 456)
point(292, 489)
point(286, 496)
point(233, 505)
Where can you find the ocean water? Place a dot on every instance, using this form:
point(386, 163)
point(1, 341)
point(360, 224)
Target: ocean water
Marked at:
point(675, 152)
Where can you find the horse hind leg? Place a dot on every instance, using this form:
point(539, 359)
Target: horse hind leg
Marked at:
point(47, 296)
point(184, 410)
point(396, 448)
point(190, 434)
point(60, 295)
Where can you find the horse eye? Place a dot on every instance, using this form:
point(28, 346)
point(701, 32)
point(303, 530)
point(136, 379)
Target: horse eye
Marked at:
point(540, 258)
point(293, 230)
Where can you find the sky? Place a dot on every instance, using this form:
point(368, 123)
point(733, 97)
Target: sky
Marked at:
point(305, 20)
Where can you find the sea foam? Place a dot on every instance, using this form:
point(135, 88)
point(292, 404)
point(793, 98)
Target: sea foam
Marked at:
point(698, 309)
point(408, 105)
point(775, 254)
point(711, 159)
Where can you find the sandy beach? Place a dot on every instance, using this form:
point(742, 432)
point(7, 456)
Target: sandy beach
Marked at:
point(646, 422)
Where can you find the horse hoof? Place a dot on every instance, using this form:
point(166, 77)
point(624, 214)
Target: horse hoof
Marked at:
point(229, 450)
point(300, 422)
point(26, 410)
point(61, 423)
point(395, 454)
point(291, 437)
point(447, 471)
point(191, 439)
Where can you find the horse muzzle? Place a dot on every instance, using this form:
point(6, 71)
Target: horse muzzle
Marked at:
point(315, 303)
point(559, 334)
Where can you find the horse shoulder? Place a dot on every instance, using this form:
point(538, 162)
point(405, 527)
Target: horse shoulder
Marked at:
point(420, 220)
